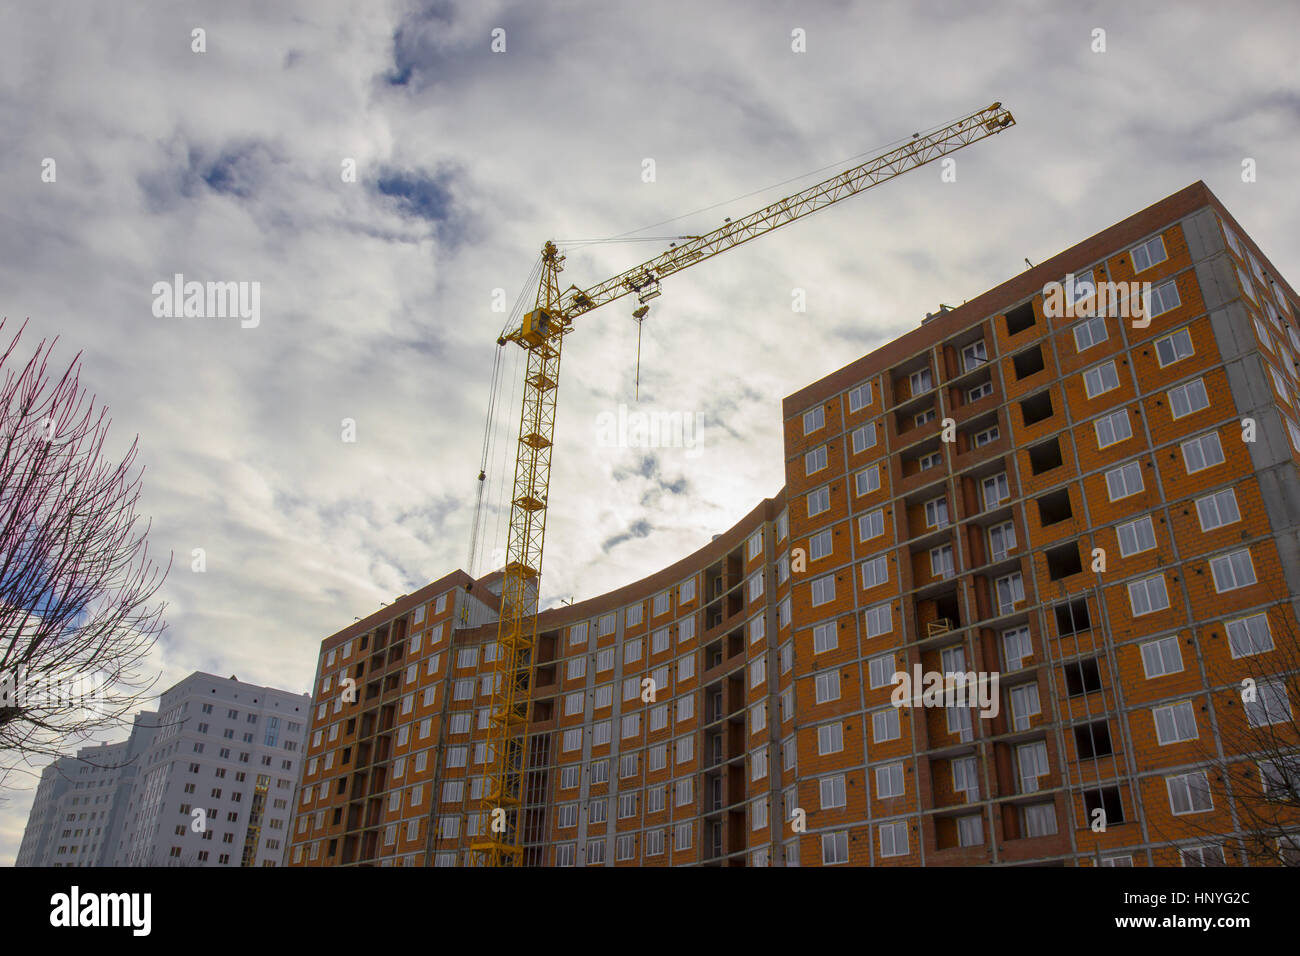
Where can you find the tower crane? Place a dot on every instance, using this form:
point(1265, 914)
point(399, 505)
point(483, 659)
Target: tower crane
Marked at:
point(541, 334)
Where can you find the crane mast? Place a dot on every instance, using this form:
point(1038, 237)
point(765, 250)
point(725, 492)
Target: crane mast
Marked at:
point(541, 334)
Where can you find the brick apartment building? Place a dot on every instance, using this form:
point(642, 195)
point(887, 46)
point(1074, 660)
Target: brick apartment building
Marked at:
point(1066, 502)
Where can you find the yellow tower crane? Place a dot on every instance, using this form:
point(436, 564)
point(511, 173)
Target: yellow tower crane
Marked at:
point(541, 333)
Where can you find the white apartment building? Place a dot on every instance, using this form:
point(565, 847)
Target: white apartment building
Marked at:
point(207, 780)
point(82, 800)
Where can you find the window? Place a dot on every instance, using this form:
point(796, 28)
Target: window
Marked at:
point(996, 490)
point(893, 839)
point(979, 391)
point(1010, 592)
point(819, 501)
point(1232, 571)
point(1136, 536)
point(974, 355)
point(1148, 254)
point(876, 571)
point(1188, 398)
point(823, 590)
point(1148, 595)
point(941, 561)
point(824, 637)
point(871, 525)
point(986, 437)
point(1161, 657)
point(832, 791)
point(1218, 509)
point(889, 781)
point(625, 847)
point(1174, 347)
point(814, 461)
point(1124, 481)
point(965, 777)
point(813, 420)
point(607, 624)
point(830, 738)
point(1100, 379)
point(820, 545)
point(632, 651)
point(1202, 452)
point(1113, 428)
point(1016, 647)
point(604, 659)
point(879, 620)
point(970, 830)
point(936, 513)
point(1202, 856)
point(632, 616)
point(1270, 706)
point(835, 848)
point(867, 480)
point(686, 592)
point(577, 668)
point(926, 462)
point(1089, 333)
point(864, 438)
point(1189, 793)
point(922, 418)
point(880, 671)
point(1250, 635)
point(1040, 820)
point(756, 586)
point(1175, 722)
point(885, 724)
point(758, 670)
point(1031, 759)
point(828, 686)
point(1164, 297)
point(920, 381)
point(1002, 540)
point(860, 397)
point(1024, 705)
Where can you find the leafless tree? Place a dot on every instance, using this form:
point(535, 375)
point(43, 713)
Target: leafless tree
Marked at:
point(77, 586)
point(1252, 763)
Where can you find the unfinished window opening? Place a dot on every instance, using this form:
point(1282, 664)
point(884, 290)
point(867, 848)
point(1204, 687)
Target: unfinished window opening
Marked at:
point(1054, 507)
point(1036, 408)
point(1063, 561)
point(1020, 318)
point(1045, 456)
point(1082, 677)
point(1072, 617)
point(1029, 362)
point(1107, 800)
point(1093, 740)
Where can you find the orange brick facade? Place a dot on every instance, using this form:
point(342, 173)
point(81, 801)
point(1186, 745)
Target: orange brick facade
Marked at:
point(1058, 540)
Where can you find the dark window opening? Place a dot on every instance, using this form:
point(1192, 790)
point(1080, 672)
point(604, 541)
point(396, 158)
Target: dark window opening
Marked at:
point(1055, 507)
point(1063, 561)
point(1045, 456)
point(1093, 740)
point(1106, 799)
point(1020, 318)
point(1028, 362)
point(1072, 617)
point(1082, 677)
point(1036, 408)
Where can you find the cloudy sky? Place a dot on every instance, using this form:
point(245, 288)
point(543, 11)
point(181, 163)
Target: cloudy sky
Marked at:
point(377, 295)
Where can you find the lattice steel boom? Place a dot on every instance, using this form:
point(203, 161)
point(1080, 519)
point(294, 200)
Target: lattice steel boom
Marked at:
point(541, 334)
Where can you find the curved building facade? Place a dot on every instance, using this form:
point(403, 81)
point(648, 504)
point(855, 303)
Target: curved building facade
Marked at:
point(1061, 506)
